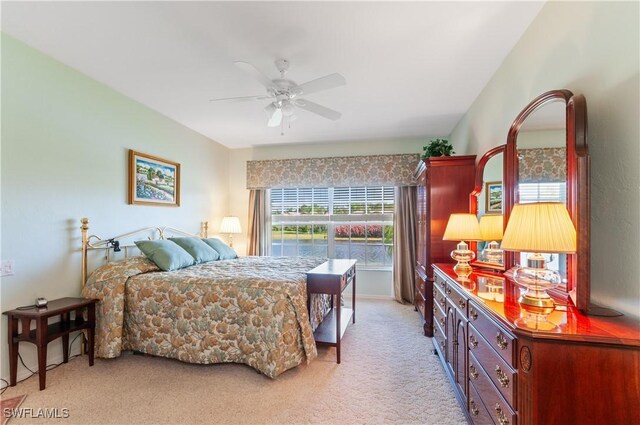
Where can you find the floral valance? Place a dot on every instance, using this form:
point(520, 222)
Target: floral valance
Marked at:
point(542, 165)
point(374, 170)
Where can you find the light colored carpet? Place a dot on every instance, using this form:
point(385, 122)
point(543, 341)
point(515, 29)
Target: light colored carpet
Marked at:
point(387, 375)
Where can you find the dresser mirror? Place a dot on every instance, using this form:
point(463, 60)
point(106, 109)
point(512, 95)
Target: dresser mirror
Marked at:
point(546, 160)
point(486, 201)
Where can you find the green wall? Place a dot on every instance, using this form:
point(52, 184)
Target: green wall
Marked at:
point(65, 139)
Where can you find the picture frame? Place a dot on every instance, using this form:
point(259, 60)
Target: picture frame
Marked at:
point(153, 180)
point(493, 197)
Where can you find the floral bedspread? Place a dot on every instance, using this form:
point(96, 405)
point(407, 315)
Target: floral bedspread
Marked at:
point(250, 310)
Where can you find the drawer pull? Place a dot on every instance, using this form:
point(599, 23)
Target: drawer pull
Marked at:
point(448, 291)
point(443, 303)
point(473, 314)
point(435, 292)
point(473, 409)
point(473, 372)
point(462, 304)
point(434, 309)
point(442, 284)
point(442, 321)
point(502, 377)
point(502, 418)
point(435, 330)
point(502, 341)
point(442, 345)
point(473, 342)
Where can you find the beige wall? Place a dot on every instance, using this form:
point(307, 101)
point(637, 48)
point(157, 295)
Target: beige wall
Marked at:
point(590, 48)
point(65, 139)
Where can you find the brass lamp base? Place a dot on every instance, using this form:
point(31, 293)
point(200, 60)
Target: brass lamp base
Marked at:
point(539, 300)
point(462, 269)
point(462, 255)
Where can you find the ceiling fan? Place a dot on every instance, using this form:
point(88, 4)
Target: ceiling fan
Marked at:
point(286, 93)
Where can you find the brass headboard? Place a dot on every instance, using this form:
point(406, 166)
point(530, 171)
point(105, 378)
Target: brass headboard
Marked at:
point(93, 242)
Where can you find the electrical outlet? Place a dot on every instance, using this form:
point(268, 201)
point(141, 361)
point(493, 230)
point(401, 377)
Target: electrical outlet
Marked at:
point(7, 268)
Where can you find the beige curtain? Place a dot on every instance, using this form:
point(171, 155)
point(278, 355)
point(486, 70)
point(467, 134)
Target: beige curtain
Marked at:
point(259, 223)
point(404, 243)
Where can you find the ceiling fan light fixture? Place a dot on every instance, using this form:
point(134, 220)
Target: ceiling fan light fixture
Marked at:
point(270, 108)
point(285, 94)
point(288, 109)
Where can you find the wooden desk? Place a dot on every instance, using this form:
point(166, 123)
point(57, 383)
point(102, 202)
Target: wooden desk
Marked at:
point(332, 277)
point(45, 333)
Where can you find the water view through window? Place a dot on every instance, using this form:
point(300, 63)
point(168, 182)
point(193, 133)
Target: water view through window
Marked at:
point(347, 222)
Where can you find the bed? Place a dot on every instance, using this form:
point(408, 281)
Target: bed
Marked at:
point(251, 310)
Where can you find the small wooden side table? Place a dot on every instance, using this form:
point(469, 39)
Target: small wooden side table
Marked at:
point(332, 277)
point(45, 333)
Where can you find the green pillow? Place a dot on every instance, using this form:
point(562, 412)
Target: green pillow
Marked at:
point(166, 254)
point(225, 251)
point(200, 251)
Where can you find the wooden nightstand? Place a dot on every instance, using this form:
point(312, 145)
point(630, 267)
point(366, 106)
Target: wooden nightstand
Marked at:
point(332, 277)
point(45, 333)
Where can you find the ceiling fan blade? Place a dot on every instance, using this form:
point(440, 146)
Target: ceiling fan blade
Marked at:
point(276, 118)
point(253, 71)
point(241, 98)
point(322, 83)
point(318, 109)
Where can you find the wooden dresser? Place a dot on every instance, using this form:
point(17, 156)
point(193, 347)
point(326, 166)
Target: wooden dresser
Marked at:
point(509, 368)
point(444, 184)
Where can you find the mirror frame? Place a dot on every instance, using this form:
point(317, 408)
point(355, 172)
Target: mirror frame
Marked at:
point(578, 188)
point(473, 200)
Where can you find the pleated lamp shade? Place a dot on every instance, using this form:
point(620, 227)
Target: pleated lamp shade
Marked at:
point(543, 227)
point(230, 225)
point(491, 227)
point(462, 227)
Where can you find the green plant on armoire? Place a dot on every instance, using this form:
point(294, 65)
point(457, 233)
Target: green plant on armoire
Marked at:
point(437, 147)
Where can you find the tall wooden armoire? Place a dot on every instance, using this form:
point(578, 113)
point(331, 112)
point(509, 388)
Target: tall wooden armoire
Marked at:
point(444, 185)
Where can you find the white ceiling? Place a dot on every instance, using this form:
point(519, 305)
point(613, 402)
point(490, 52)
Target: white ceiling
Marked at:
point(412, 68)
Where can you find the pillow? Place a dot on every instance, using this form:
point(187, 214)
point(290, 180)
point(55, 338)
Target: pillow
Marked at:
point(200, 251)
point(225, 251)
point(166, 254)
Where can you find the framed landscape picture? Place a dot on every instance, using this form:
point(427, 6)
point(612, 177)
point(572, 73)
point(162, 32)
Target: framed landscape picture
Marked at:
point(493, 197)
point(153, 180)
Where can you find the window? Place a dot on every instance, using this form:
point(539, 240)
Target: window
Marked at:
point(542, 192)
point(341, 222)
point(545, 192)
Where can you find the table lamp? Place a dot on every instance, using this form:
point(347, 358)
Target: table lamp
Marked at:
point(491, 227)
point(461, 227)
point(231, 226)
point(543, 227)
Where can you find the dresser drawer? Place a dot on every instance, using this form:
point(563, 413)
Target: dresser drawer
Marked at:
point(477, 411)
point(439, 282)
point(439, 317)
point(420, 304)
point(421, 285)
point(458, 299)
point(439, 337)
point(439, 299)
point(483, 358)
point(499, 339)
point(439, 288)
point(497, 407)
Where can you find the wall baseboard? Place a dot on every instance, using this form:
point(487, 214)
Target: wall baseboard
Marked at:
point(24, 373)
point(370, 297)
